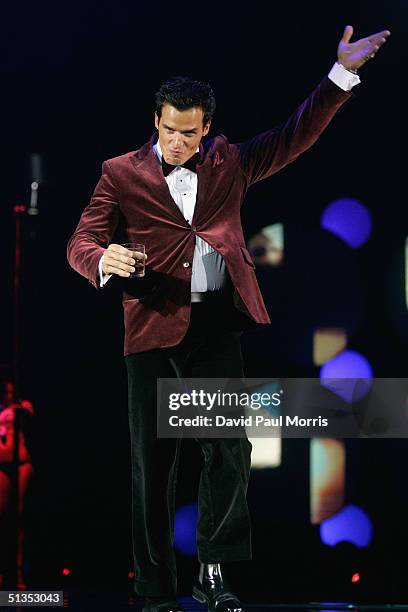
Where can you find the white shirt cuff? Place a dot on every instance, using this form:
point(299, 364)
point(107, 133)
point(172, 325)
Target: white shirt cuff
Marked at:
point(343, 78)
point(103, 278)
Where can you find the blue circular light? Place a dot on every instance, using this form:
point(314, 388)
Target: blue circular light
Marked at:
point(352, 524)
point(348, 375)
point(348, 219)
point(185, 526)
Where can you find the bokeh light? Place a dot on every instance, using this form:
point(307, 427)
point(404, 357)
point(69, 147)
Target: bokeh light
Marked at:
point(352, 524)
point(348, 219)
point(185, 525)
point(348, 375)
point(266, 247)
point(327, 343)
point(327, 478)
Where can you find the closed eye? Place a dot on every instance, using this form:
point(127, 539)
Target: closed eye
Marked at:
point(186, 133)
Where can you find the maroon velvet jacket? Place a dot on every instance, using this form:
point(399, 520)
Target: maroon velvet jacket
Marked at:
point(132, 197)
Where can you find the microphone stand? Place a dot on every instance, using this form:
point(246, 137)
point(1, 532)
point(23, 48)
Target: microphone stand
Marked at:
point(19, 210)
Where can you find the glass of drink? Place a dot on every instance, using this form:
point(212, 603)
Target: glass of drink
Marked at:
point(138, 250)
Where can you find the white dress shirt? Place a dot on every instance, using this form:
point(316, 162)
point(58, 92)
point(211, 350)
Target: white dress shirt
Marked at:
point(208, 271)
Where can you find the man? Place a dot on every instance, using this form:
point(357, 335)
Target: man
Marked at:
point(182, 200)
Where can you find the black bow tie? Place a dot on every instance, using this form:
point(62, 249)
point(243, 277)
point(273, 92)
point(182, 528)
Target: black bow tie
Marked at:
point(190, 164)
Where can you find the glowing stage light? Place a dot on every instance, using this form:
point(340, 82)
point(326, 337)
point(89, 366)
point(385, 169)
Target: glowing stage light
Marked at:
point(266, 247)
point(355, 577)
point(348, 219)
point(348, 375)
point(349, 364)
point(266, 452)
point(185, 525)
point(327, 343)
point(131, 574)
point(327, 478)
point(66, 571)
point(352, 524)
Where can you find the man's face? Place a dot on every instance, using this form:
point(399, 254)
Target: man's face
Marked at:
point(180, 132)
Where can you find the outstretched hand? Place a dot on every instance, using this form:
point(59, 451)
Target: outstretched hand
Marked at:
point(354, 55)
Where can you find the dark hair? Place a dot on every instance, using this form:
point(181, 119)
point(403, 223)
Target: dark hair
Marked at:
point(184, 93)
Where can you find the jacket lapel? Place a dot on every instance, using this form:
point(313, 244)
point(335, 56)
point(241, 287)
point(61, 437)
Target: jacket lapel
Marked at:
point(146, 163)
point(205, 175)
point(148, 166)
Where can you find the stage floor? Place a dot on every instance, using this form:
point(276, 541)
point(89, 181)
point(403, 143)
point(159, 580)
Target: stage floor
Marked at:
point(120, 602)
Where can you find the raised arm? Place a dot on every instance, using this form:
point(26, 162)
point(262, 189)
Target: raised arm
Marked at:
point(266, 153)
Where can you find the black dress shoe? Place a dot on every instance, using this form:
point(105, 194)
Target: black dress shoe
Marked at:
point(161, 605)
point(211, 588)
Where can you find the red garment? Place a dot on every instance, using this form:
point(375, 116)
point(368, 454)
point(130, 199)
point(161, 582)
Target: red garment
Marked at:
point(7, 435)
point(132, 195)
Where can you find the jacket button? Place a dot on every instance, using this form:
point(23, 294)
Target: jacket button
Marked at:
point(186, 264)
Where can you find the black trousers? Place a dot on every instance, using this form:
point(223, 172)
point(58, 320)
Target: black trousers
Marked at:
point(210, 349)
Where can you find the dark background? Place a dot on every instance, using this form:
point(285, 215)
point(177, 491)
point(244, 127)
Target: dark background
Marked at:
point(78, 81)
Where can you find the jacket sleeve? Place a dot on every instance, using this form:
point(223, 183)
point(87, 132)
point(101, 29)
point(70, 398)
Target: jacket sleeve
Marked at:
point(265, 154)
point(96, 227)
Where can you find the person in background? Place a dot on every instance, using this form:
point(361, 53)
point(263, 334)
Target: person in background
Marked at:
point(10, 408)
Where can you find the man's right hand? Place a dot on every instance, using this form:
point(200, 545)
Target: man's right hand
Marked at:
point(119, 260)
